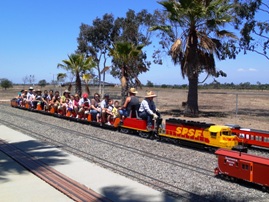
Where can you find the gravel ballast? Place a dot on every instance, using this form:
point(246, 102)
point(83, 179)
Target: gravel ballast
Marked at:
point(178, 169)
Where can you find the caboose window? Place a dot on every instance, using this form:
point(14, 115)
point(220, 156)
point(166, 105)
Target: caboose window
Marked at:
point(213, 135)
point(244, 167)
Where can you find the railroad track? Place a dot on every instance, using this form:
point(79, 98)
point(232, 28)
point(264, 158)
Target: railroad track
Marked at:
point(154, 182)
point(128, 172)
point(64, 184)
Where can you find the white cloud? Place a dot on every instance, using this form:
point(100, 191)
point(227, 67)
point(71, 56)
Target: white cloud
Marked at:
point(247, 70)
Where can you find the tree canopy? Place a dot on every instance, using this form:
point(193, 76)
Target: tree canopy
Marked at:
point(195, 30)
point(107, 33)
point(252, 21)
point(5, 83)
point(77, 65)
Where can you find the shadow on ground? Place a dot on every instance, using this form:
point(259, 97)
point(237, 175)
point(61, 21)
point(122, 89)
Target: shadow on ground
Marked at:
point(45, 153)
point(123, 194)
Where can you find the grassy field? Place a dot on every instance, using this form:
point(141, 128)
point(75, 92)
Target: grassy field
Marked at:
point(246, 108)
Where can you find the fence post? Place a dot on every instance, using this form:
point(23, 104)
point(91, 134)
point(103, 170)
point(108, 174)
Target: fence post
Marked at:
point(236, 104)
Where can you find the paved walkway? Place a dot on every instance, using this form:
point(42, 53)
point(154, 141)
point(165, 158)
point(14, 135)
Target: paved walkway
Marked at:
point(18, 184)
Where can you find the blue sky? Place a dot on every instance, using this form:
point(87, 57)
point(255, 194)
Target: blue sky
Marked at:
point(36, 35)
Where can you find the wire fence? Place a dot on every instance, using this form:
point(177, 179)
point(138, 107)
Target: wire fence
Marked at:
point(238, 103)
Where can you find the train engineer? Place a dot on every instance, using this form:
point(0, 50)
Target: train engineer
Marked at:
point(147, 109)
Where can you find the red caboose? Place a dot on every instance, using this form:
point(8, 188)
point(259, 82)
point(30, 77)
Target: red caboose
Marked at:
point(236, 165)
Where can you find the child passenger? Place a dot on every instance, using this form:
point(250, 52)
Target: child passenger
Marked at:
point(112, 111)
point(115, 110)
point(69, 106)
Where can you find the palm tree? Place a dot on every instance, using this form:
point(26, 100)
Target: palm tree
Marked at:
point(86, 78)
point(200, 41)
point(127, 60)
point(77, 65)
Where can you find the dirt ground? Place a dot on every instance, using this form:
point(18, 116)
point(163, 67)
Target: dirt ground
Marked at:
point(249, 109)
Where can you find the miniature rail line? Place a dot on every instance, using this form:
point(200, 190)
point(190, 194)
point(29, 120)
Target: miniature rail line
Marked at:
point(125, 171)
point(64, 184)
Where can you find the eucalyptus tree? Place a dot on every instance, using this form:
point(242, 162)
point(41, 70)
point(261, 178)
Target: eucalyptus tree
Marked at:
point(126, 58)
point(95, 40)
point(252, 21)
point(98, 38)
point(133, 32)
point(77, 65)
point(195, 30)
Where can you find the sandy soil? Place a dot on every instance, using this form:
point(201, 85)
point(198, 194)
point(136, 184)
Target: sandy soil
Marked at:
point(246, 108)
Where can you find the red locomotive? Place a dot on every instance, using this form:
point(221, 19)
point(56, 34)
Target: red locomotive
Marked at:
point(235, 165)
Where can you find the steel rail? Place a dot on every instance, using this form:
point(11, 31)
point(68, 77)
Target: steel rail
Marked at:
point(59, 181)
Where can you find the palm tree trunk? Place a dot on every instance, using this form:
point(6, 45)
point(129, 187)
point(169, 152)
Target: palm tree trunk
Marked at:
point(78, 84)
point(192, 102)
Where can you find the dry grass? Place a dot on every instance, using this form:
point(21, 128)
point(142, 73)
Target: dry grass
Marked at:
point(216, 106)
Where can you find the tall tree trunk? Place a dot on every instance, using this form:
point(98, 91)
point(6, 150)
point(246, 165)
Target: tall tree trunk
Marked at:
point(192, 102)
point(124, 84)
point(78, 84)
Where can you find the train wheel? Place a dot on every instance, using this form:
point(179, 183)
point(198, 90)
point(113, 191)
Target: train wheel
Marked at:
point(265, 189)
point(212, 149)
point(143, 134)
point(124, 130)
point(175, 141)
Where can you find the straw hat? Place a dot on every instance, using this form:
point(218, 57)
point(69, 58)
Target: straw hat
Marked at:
point(150, 94)
point(38, 90)
point(66, 91)
point(31, 88)
point(132, 90)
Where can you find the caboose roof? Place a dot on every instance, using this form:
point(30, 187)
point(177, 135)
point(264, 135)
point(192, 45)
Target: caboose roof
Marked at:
point(242, 156)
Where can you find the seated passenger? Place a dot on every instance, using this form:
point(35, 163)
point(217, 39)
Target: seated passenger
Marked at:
point(20, 97)
point(76, 103)
point(95, 107)
point(48, 99)
point(55, 101)
point(30, 97)
point(39, 99)
point(115, 110)
point(62, 107)
point(130, 102)
point(104, 106)
point(45, 100)
point(112, 111)
point(24, 98)
point(147, 109)
point(69, 106)
point(84, 106)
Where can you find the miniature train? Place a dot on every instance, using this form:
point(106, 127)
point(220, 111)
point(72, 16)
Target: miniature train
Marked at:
point(252, 137)
point(234, 165)
point(190, 133)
